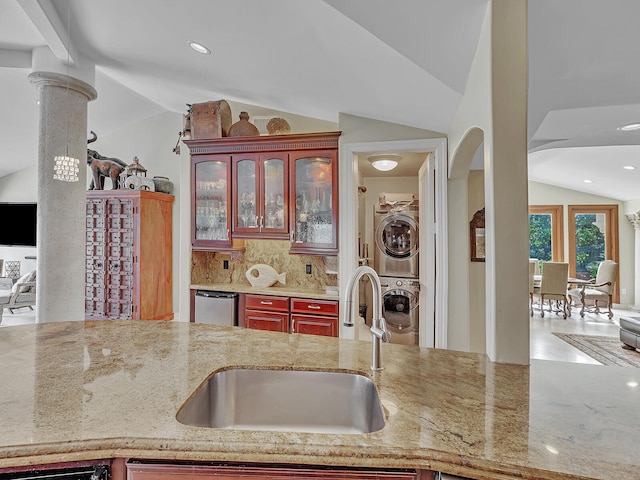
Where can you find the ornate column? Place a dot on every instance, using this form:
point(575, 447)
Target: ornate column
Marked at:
point(61, 204)
point(634, 218)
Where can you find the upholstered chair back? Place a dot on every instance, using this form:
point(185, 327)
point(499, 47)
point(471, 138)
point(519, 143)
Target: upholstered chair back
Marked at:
point(607, 272)
point(532, 270)
point(554, 278)
point(536, 264)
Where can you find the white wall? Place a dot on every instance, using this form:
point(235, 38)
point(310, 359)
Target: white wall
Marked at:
point(20, 186)
point(495, 101)
point(543, 194)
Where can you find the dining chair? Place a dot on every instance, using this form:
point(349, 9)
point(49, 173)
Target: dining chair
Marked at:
point(533, 288)
point(536, 263)
point(553, 287)
point(599, 289)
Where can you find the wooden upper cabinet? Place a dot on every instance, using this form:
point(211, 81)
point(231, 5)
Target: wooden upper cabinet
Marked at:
point(211, 201)
point(314, 199)
point(260, 195)
point(277, 186)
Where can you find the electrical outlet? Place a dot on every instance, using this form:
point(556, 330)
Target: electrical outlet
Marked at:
point(623, 291)
point(308, 269)
point(225, 264)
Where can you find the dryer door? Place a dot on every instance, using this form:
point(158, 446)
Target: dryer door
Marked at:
point(397, 236)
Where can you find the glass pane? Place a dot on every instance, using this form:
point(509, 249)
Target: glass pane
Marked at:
point(540, 236)
point(211, 201)
point(314, 216)
point(590, 243)
point(246, 194)
point(274, 193)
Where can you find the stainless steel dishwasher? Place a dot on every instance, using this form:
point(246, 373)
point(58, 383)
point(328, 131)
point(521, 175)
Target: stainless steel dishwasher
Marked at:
point(217, 308)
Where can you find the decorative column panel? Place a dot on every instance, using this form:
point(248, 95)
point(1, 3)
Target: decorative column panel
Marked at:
point(61, 204)
point(634, 218)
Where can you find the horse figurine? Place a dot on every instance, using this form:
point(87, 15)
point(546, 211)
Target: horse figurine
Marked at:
point(103, 167)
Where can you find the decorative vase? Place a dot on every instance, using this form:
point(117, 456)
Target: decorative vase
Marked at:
point(243, 127)
point(163, 185)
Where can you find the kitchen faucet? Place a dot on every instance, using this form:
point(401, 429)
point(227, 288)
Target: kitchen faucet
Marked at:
point(378, 326)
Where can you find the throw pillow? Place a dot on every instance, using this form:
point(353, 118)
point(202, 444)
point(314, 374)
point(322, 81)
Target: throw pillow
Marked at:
point(27, 277)
point(22, 279)
point(29, 289)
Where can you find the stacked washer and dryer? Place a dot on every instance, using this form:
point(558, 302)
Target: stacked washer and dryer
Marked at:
point(396, 254)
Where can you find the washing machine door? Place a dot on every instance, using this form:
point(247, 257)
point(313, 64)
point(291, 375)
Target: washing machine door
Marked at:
point(399, 311)
point(397, 236)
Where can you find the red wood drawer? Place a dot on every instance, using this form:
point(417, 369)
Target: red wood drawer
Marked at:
point(275, 322)
point(326, 325)
point(315, 307)
point(267, 302)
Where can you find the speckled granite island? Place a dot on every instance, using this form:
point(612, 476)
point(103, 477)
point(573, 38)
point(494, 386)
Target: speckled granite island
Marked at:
point(98, 390)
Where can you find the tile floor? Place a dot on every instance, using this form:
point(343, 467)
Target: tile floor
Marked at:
point(544, 345)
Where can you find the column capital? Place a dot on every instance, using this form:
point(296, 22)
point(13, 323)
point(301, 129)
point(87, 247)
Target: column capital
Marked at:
point(53, 79)
point(634, 218)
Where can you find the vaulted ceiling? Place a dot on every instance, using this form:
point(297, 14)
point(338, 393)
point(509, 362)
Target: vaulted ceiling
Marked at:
point(404, 62)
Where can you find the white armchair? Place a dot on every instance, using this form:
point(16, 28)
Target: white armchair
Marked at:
point(18, 295)
point(599, 289)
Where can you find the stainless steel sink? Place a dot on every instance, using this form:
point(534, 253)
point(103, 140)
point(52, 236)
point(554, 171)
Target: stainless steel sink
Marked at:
point(285, 400)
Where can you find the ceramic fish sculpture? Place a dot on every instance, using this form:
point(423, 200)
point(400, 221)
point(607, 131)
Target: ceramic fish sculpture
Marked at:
point(261, 275)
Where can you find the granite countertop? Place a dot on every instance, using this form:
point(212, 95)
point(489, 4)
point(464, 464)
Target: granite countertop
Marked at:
point(90, 390)
point(277, 290)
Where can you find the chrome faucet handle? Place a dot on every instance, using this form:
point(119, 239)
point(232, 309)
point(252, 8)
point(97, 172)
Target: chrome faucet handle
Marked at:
point(386, 335)
point(380, 330)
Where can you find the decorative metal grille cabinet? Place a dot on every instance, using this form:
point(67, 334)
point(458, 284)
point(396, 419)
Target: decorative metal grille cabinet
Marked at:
point(128, 255)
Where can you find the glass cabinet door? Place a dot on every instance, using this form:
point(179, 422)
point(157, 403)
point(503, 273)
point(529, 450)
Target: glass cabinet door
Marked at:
point(246, 195)
point(275, 217)
point(211, 197)
point(261, 188)
point(314, 195)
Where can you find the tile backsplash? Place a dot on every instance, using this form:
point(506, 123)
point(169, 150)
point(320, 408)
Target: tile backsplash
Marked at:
point(208, 267)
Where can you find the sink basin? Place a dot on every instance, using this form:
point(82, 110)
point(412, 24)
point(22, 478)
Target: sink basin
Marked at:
point(285, 400)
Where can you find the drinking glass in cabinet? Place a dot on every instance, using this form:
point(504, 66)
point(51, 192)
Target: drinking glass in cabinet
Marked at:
point(314, 215)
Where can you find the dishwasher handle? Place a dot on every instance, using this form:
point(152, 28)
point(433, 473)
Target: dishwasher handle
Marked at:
point(210, 294)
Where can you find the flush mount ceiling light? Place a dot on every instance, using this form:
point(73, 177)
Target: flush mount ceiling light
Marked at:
point(198, 47)
point(629, 167)
point(588, 181)
point(630, 127)
point(384, 163)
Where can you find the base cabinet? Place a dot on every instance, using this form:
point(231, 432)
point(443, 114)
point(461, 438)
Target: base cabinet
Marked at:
point(264, 312)
point(148, 471)
point(316, 317)
point(295, 315)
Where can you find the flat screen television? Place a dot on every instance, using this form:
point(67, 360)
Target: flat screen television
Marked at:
point(19, 224)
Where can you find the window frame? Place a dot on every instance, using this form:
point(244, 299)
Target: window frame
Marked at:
point(557, 228)
point(612, 235)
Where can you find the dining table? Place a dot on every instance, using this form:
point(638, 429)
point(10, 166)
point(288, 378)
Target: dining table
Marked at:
point(537, 281)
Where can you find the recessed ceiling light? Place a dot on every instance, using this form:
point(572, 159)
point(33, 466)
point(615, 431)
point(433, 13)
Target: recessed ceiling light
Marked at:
point(629, 167)
point(588, 181)
point(198, 47)
point(629, 127)
point(632, 383)
point(552, 449)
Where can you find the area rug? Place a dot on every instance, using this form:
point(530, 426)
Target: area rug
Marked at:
point(606, 350)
